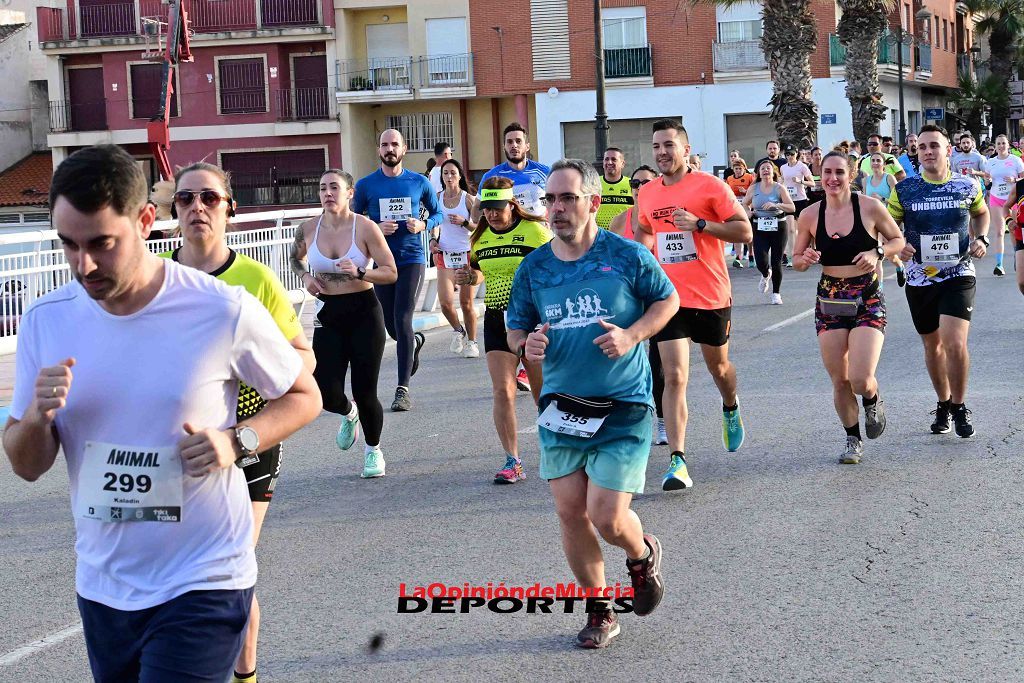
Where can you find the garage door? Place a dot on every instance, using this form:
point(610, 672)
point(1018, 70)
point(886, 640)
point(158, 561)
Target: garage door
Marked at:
point(748, 133)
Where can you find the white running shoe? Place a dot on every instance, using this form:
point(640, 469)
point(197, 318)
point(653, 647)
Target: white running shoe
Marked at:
point(765, 282)
point(472, 349)
point(776, 299)
point(458, 342)
point(662, 438)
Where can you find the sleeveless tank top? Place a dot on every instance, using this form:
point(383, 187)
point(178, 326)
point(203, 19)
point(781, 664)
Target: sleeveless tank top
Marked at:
point(760, 198)
point(840, 251)
point(454, 238)
point(319, 263)
point(881, 191)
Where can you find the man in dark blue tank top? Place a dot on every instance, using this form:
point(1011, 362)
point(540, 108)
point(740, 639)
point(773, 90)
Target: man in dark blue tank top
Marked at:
point(945, 221)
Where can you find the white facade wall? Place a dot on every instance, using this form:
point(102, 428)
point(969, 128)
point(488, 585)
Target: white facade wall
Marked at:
point(702, 107)
point(15, 102)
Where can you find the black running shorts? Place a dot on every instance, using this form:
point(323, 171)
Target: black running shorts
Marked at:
point(701, 326)
point(495, 334)
point(262, 476)
point(953, 297)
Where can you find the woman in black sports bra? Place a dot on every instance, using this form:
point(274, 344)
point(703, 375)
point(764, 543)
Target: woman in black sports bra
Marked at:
point(841, 233)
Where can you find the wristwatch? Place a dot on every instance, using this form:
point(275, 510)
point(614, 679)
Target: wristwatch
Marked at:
point(360, 273)
point(465, 223)
point(982, 239)
point(701, 224)
point(880, 251)
point(249, 443)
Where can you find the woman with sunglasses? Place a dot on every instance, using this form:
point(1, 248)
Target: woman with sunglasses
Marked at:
point(332, 255)
point(505, 235)
point(202, 204)
point(767, 201)
point(842, 234)
point(449, 245)
point(739, 182)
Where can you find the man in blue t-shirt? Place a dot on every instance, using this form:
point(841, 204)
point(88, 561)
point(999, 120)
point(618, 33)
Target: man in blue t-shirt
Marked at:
point(527, 176)
point(403, 204)
point(596, 298)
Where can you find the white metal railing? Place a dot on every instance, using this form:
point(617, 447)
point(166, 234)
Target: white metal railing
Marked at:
point(41, 267)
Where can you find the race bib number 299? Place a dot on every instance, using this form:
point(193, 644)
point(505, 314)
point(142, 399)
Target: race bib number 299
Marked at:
point(130, 484)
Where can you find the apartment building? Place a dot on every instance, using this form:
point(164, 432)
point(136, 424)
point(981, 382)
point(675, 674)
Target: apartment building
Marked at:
point(258, 99)
point(699, 62)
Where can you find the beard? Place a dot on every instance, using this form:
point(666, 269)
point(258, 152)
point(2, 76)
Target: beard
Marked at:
point(515, 160)
point(390, 160)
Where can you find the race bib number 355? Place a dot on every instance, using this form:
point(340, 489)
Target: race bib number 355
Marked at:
point(130, 484)
point(676, 247)
point(562, 422)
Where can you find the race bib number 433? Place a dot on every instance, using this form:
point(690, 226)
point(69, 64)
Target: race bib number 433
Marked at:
point(130, 484)
point(676, 247)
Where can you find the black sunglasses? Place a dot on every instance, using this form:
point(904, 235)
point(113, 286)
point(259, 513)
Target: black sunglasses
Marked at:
point(209, 198)
point(636, 183)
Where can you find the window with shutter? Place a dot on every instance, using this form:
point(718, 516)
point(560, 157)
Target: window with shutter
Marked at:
point(146, 84)
point(242, 86)
point(275, 178)
point(549, 28)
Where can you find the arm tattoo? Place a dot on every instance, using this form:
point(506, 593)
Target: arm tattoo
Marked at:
point(298, 265)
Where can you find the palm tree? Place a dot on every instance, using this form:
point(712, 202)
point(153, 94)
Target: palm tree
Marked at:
point(973, 96)
point(788, 37)
point(859, 29)
point(1003, 24)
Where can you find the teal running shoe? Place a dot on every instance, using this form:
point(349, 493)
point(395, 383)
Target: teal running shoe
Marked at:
point(373, 464)
point(677, 476)
point(348, 430)
point(732, 429)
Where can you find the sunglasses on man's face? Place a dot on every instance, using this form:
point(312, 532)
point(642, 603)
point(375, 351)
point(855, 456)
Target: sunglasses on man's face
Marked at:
point(636, 183)
point(209, 198)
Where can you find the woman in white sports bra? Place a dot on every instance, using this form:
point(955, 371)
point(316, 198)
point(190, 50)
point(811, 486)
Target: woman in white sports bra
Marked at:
point(449, 244)
point(332, 255)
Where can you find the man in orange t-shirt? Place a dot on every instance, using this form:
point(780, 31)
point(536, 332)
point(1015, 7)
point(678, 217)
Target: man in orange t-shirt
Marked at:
point(686, 218)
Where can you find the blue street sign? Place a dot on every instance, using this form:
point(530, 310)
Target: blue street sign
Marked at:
point(828, 119)
point(934, 114)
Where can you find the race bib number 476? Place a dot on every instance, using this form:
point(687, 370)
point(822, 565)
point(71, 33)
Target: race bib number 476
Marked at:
point(940, 250)
point(130, 484)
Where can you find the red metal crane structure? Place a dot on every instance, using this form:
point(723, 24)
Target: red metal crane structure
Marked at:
point(175, 51)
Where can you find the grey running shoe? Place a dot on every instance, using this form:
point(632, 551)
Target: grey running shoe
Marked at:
point(854, 449)
point(645, 575)
point(419, 340)
point(662, 438)
point(600, 629)
point(874, 419)
point(402, 401)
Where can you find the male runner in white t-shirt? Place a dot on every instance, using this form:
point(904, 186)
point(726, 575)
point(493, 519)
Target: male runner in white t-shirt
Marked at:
point(133, 370)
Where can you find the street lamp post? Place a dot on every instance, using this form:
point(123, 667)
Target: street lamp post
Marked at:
point(898, 39)
point(601, 115)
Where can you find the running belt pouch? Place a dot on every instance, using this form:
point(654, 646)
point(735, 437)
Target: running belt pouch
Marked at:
point(584, 407)
point(844, 308)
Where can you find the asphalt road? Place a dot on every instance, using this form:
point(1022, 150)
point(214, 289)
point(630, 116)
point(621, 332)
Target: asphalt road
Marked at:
point(780, 564)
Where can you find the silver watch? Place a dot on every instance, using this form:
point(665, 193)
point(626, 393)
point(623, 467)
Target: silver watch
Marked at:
point(249, 443)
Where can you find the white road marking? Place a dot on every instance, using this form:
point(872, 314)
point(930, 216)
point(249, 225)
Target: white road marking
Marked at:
point(789, 321)
point(40, 645)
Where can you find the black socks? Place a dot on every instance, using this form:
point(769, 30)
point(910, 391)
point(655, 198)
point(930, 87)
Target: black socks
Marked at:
point(865, 401)
point(729, 409)
point(854, 430)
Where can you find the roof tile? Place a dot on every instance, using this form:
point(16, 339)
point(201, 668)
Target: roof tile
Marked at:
point(27, 183)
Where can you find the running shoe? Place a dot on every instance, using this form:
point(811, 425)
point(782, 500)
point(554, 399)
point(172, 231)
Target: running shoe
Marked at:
point(645, 575)
point(348, 430)
point(942, 414)
point(472, 349)
point(962, 421)
point(765, 282)
point(776, 299)
point(750, 262)
point(998, 271)
point(522, 381)
point(677, 476)
point(420, 341)
point(458, 342)
point(662, 438)
point(874, 419)
point(373, 464)
point(901, 277)
point(600, 629)
point(854, 449)
point(402, 401)
point(511, 472)
point(736, 263)
point(732, 430)
point(786, 262)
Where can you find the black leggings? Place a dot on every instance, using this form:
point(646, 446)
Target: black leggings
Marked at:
point(351, 334)
point(398, 301)
point(774, 242)
point(659, 377)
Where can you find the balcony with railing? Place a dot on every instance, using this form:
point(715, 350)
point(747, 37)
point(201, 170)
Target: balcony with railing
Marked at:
point(628, 62)
point(963, 64)
point(205, 16)
point(304, 104)
point(391, 74)
point(446, 71)
point(923, 59)
point(422, 77)
point(741, 55)
point(73, 117)
point(886, 52)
